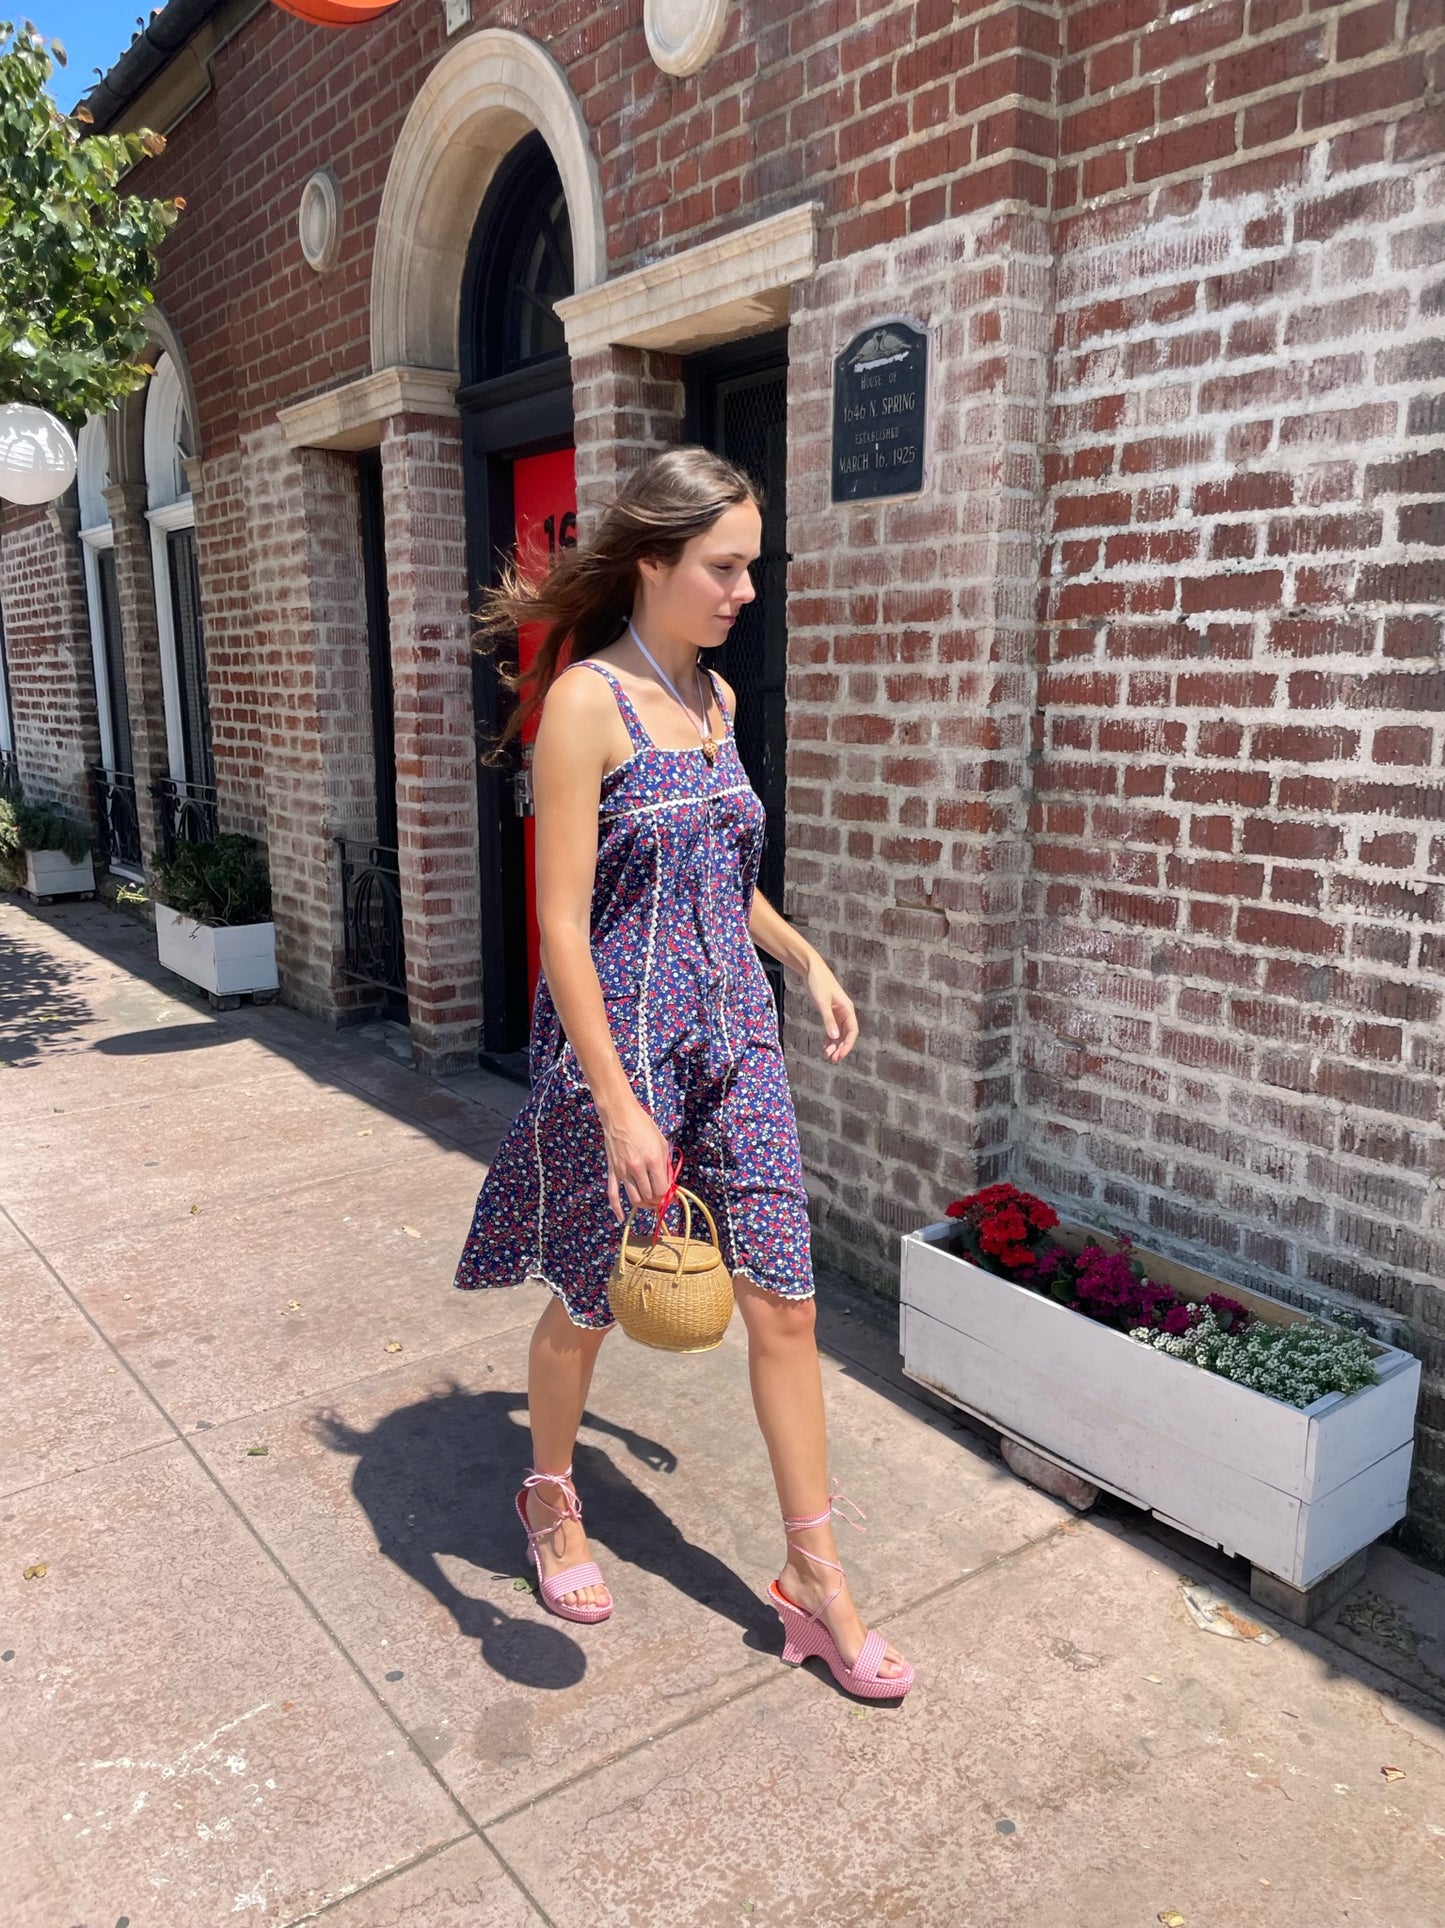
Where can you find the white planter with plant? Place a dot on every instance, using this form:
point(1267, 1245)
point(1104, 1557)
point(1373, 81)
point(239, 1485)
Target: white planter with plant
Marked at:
point(42, 851)
point(1224, 1412)
point(213, 923)
point(50, 873)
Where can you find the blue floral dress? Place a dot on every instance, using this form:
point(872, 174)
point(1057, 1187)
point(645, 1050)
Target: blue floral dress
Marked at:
point(695, 1025)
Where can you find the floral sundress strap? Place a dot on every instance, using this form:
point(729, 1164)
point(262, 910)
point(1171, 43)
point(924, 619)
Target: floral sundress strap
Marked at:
point(640, 739)
point(717, 692)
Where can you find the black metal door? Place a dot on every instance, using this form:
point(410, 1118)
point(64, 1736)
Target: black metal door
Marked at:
point(378, 643)
point(515, 399)
point(122, 756)
point(737, 405)
point(190, 658)
point(374, 943)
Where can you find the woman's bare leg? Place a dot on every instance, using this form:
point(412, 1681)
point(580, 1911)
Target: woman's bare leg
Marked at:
point(559, 1373)
point(788, 1399)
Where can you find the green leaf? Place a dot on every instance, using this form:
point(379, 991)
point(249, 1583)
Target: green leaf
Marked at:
point(77, 259)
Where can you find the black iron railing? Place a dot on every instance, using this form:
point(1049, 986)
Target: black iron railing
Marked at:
point(9, 772)
point(186, 813)
point(118, 815)
point(374, 949)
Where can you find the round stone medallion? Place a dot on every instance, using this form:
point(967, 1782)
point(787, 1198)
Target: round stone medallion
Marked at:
point(318, 219)
point(683, 35)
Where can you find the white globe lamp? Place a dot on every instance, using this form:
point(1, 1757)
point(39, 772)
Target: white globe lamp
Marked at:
point(37, 455)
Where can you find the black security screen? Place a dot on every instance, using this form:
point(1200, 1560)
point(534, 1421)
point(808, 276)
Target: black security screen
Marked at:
point(738, 406)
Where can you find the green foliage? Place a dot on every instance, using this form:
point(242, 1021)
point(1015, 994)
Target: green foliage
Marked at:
point(36, 826)
point(77, 258)
point(221, 882)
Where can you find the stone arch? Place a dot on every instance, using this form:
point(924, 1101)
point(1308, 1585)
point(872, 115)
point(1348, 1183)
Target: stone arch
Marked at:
point(127, 419)
point(477, 103)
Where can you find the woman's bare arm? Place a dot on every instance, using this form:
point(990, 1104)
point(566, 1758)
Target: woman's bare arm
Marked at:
point(770, 930)
point(571, 752)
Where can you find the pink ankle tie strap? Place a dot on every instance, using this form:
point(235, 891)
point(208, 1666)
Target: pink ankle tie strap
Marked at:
point(836, 1502)
point(570, 1509)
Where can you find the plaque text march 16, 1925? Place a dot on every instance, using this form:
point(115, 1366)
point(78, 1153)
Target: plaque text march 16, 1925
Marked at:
point(879, 383)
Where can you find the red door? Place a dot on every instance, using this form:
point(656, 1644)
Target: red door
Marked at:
point(544, 494)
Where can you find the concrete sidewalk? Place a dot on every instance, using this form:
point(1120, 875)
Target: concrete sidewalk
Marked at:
point(278, 1665)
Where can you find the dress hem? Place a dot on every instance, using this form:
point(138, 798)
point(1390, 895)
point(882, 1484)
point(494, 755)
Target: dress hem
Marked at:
point(778, 1291)
point(540, 1278)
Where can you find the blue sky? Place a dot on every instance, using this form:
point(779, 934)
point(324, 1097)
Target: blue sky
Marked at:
point(94, 33)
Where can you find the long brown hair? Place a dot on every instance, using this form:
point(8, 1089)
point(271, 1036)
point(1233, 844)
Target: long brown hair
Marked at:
point(585, 600)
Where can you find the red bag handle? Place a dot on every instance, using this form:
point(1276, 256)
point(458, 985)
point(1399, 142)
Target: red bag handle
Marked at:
point(665, 1202)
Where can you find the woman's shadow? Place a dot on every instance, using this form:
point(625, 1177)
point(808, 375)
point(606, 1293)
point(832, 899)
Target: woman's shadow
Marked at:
point(438, 1477)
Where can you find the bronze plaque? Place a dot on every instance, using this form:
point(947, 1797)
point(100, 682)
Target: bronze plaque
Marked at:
point(879, 384)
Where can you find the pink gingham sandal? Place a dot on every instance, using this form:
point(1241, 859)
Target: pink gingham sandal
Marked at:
point(571, 1579)
point(804, 1633)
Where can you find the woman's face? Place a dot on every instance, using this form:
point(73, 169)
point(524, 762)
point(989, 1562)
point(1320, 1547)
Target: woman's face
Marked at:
point(696, 599)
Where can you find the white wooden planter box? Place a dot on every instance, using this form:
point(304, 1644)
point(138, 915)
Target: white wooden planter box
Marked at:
point(1296, 1490)
point(50, 873)
point(223, 959)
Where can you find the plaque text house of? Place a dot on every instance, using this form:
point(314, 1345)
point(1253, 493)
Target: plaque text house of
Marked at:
point(879, 384)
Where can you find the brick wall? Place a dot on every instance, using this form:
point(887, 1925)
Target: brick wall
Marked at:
point(436, 786)
point(1115, 764)
point(1237, 888)
point(238, 695)
point(48, 656)
point(911, 639)
point(308, 616)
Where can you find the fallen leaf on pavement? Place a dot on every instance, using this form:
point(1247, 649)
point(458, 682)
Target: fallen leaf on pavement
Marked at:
point(364, 1134)
point(257, 1452)
point(36, 1572)
point(393, 1345)
point(1212, 1612)
point(1170, 1919)
point(1393, 1773)
point(411, 1231)
point(293, 1305)
point(195, 1211)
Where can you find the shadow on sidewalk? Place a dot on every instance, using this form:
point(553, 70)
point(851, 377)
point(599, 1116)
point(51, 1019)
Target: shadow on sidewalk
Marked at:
point(429, 1477)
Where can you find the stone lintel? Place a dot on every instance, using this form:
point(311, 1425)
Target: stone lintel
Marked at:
point(351, 417)
point(717, 291)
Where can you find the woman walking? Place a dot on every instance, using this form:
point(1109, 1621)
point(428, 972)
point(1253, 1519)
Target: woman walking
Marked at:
point(654, 1032)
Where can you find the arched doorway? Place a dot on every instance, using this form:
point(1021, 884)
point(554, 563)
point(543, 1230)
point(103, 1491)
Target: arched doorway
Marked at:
point(515, 401)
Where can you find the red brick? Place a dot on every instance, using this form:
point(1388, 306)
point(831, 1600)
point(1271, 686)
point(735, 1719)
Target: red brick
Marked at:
point(1271, 65)
point(1202, 33)
point(1281, 930)
point(1371, 91)
point(1365, 31)
point(1190, 147)
point(1259, 589)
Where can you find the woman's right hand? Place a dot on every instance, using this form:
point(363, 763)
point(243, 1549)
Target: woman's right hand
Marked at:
point(639, 1159)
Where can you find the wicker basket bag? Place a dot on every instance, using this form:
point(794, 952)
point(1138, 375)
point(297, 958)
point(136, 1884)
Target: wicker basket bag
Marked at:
point(672, 1293)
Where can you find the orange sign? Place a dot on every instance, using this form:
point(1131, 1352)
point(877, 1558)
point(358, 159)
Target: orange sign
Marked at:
point(338, 13)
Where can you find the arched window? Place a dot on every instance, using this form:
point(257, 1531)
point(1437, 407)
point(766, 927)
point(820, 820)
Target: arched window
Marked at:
point(106, 647)
point(169, 442)
point(520, 267)
point(168, 438)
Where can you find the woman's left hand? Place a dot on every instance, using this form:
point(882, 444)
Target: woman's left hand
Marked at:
point(840, 1020)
